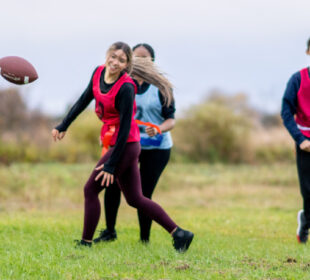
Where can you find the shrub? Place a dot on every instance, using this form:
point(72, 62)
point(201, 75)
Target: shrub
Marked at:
point(213, 132)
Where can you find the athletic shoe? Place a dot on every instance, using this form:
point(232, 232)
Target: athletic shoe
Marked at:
point(82, 243)
point(145, 241)
point(182, 239)
point(302, 229)
point(106, 235)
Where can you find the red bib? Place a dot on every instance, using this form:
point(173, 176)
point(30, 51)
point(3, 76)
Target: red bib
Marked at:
point(303, 103)
point(106, 111)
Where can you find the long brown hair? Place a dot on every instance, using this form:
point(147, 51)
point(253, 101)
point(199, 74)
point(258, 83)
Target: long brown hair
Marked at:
point(146, 70)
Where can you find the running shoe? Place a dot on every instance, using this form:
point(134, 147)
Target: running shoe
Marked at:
point(106, 235)
point(302, 229)
point(82, 243)
point(182, 239)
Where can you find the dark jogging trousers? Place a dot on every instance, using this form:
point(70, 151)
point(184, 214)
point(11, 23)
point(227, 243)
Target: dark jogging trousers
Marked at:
point(152, 164)
point(303, 168)
point(127, 176)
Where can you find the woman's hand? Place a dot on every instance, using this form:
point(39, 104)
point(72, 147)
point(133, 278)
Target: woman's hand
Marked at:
point(305, 145)
point(107, 179)
point(151, 131)
point(58, 135)
point(167, 125)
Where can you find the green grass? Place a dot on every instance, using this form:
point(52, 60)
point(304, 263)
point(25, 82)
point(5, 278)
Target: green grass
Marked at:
point(243, 217)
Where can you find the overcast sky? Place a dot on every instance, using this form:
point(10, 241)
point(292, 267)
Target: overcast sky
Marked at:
point(235, 46)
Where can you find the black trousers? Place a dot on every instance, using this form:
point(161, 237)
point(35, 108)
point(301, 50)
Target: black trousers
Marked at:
point(303, 168)
point(152, 164)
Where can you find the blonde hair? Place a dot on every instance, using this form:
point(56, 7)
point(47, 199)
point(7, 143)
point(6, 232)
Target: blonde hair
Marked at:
point(146, 70)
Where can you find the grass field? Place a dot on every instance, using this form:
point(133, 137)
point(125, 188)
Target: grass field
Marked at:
point(243, 217)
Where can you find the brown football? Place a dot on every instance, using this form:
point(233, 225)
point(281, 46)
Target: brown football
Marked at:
point(17, 70)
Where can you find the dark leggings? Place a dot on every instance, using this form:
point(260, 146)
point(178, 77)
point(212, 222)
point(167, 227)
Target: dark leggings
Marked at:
point(152, 164)
point(303, 168)
point(127, 176)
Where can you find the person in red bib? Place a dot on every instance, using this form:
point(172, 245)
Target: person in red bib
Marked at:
point(152, 108)
point(114, 93)
point(296, 118)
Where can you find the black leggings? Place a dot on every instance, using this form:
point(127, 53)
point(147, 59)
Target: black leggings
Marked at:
point(152, 164)
point(128, 180)
point(303, 168)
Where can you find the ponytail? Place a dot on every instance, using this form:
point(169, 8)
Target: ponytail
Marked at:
point(146, 70)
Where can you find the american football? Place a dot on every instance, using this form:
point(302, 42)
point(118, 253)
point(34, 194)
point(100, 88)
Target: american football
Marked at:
point(17, 70)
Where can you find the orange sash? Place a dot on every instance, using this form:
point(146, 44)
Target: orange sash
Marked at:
point(108, 135)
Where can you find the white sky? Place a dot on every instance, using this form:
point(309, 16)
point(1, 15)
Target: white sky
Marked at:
point(235, 46)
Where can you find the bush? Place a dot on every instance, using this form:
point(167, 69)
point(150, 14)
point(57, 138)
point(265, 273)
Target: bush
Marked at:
point(213, 132)
point(81, 142)
point(25, 136)
point(272, 153)
point(221, 129)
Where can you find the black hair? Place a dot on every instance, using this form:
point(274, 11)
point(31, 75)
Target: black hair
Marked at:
point(147, 47)
point(308, 45)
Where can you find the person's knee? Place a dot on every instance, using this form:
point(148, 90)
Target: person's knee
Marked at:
point(306, 194)
point(113, 192)
point(131, 202)
point(135, 201)
point(88, 192)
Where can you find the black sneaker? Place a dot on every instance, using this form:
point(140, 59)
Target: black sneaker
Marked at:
point(302, 229)
point(106, 235)
point(145, 241)
point(82, 243)
point(182, 239)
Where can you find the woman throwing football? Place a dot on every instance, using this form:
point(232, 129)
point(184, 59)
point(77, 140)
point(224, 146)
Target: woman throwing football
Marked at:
point(152, 107)
point(114, 92)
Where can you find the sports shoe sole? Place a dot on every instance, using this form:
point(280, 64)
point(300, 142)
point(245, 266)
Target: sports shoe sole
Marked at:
point(299, 226)
point(97, 240)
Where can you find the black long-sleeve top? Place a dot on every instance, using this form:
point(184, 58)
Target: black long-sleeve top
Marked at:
point(123, 103)
point(289, 107)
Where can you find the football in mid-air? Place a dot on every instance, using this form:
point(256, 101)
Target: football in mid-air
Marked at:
point(17, 70)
